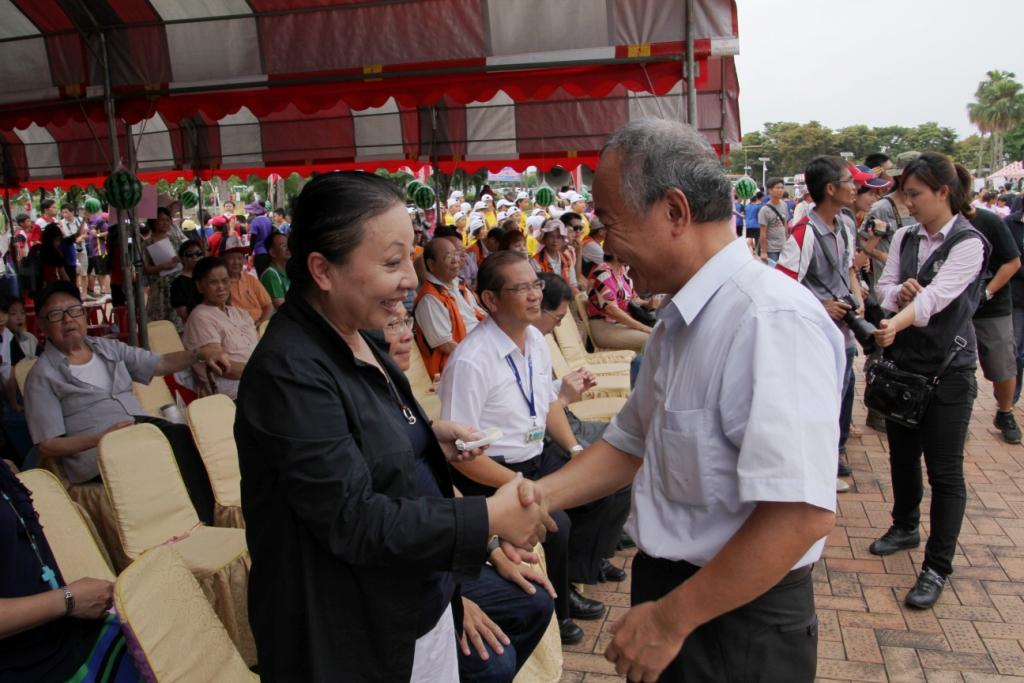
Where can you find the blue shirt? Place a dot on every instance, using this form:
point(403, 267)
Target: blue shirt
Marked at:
point(751, 213)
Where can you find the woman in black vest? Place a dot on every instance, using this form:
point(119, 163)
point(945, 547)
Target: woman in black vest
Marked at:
point(932, 281)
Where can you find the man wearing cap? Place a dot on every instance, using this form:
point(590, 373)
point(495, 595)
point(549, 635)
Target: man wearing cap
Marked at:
point(578, 205)
point(446, 310)
point(81, 388)
point(246, 291)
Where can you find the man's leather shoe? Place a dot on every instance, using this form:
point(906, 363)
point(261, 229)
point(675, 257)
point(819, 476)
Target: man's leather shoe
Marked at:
point(625, 542)
point(927, 589)
point(893, 540)
point(584, 608)
point(569, 631)
point(609, 572)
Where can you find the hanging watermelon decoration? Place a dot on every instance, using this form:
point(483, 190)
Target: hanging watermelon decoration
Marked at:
point(189, 199)
point(746, 188)
point(93, 205)
point(424, 197)
point(124, 191)
point(410, 189)
point(544, 196)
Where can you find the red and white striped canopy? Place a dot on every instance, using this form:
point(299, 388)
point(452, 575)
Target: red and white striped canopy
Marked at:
point(282, 85)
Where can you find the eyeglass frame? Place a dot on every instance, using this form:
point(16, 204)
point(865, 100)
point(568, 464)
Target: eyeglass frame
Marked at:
point(408, 322)
point(520, 289)
point(64, 312)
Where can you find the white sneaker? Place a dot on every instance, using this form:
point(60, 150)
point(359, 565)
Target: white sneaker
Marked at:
point(841, 486)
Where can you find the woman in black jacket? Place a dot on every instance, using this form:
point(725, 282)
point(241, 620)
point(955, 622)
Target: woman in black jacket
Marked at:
point(355, 536)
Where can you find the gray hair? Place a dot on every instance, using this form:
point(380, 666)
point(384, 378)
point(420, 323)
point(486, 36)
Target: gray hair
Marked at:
point(657, 155)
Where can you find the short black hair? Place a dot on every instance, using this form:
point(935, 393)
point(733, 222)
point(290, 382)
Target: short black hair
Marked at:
point(495, 233)
point(69, 207)
point(54, 288)
point(772, 182)
point(268, 243)
point(876, 159)
point(822, 172)
point(21, 217)
point(186, 245)
point(279, 212)
point(7, 301)
point(491, 276)
point(568, 217)
point(46, 204)
point(447, 231)
point(163, 211)
point(206, 265)
point(556, 290)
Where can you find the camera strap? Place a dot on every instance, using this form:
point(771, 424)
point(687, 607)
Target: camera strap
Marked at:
point(958, 345)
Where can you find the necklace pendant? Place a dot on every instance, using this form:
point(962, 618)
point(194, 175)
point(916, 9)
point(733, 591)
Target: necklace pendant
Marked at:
point(409, 417)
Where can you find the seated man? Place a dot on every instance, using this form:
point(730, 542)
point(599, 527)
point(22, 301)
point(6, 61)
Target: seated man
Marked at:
point(218, 324)
point(275, 276)
point(506, 609)
point(246, 291)
point(500, 376)
point(81, 388)
point(445, 309)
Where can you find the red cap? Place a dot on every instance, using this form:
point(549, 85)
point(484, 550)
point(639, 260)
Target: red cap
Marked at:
point(218, 221)
point(859, 176)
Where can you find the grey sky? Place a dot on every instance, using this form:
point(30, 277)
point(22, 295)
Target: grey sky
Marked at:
point(803, 60)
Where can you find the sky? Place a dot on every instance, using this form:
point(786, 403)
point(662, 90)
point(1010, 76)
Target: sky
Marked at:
point(876, 62)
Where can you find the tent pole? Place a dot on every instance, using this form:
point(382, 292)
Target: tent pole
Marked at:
point(140, 281)
point(691, 68)
point(115, 160)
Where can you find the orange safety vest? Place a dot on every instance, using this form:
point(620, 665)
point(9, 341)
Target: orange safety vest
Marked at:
point(477, 249)
point(435, 359)
point(545, 267)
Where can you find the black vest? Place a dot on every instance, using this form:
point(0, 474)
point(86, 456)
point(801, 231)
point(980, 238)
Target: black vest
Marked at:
point(922, 349)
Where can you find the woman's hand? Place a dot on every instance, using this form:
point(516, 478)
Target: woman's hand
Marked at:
point(520, 573)
point(93, 597)
point(908, 291)
point(447, 432)
point(478, 627)
point(885, 335)
point(524, 526)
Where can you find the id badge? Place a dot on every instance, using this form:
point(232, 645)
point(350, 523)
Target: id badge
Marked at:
point(534, 435)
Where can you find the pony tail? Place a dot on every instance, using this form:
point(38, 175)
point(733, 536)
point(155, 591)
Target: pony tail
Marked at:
point(961, 199)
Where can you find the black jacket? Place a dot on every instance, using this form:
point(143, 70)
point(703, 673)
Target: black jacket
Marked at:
point(340, 543)
point(1015, 222)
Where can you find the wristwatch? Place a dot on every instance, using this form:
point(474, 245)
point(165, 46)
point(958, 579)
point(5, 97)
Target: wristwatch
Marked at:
point(576, 449)
point(988, 295)
point(197, 359)
point(69, 601)
point(493, 544)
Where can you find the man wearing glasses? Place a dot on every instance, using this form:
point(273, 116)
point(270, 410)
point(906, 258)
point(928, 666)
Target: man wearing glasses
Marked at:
point(500, 376)
point(81, 388)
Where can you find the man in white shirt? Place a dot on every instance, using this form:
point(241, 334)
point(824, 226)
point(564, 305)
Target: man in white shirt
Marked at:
point(500, 376)
point(731, 452)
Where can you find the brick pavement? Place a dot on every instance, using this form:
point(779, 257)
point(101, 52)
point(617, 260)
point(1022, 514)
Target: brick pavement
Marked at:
point(974, 633)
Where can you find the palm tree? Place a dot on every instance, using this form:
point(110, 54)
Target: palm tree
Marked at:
point(998, 108)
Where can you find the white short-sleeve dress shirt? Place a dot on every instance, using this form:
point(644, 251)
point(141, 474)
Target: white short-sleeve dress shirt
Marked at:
point(737, 402)
point(479, 388)
point(435, 321)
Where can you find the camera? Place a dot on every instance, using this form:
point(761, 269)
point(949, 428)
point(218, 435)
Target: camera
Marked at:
point(861, 328)
point(874, 227)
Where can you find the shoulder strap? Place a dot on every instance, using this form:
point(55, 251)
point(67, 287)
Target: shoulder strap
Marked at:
point(776, 212)
point(895, 211)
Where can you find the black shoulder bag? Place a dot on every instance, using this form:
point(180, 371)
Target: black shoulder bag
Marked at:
point(903, 396)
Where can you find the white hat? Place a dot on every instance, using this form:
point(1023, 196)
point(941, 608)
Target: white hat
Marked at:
point(556, 211)
point(538, 212)
point(535, 223)
point(487, 198)
point(453, 202)
point(458, 216)
point(457, 194)
point(522, 195)
point(466, 207)
point(479, 206)
point(504, 202)
point(502, 216)
point(575, 197)
point(476, 222)
point(512, 211)
point(553, 225)
point(411, 210)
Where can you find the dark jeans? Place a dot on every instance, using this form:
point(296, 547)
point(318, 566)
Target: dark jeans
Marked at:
point(193, 472)
point(522, 617)
point(772, 638)
point(940, 436)
point(16, 433)
point(1018, 337)
point(846, 407)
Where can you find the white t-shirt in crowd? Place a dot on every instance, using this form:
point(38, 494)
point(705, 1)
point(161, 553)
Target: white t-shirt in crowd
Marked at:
point(95, 372)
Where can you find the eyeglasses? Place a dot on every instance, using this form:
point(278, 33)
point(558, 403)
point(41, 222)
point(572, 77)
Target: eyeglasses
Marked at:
point(556, 318)
point(193, 254)
point(57, 314)
point(843, 181)
point(536, 286)
point(396, 326)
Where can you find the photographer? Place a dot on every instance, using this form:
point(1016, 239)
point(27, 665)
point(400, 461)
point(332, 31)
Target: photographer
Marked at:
point(933, 280)
point(819, 255)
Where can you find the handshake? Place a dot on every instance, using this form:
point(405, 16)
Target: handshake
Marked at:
point(518, 515)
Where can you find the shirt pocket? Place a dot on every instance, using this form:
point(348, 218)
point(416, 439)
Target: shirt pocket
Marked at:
point(684, 456)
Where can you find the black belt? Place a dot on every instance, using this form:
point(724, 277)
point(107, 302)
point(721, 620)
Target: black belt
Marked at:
point(685, 570)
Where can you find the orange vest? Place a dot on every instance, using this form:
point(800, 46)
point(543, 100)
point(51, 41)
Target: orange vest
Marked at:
point(545, 266)
point(477, 249)
point(435, 359)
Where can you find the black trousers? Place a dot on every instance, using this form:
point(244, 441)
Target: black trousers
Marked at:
point(940, 437)
point(193, 472)
point(772, 638)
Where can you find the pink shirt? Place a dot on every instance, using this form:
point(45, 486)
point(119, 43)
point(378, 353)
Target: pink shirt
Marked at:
point(232, 329)
point(955, 274)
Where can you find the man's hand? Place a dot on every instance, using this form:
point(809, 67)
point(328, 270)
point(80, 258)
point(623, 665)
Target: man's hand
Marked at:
point(93, 597)
point(520, 573)
point(574, 385)
point(216, 360)
point(908, 292)
point(447, 432)
point(645, 643)
point(522, 526)
point(836, 309)
point(478, 627)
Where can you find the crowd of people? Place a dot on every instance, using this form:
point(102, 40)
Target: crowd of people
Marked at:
point(385, 548)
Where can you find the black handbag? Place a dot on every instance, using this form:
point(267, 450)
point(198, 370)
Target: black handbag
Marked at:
point(903, 396)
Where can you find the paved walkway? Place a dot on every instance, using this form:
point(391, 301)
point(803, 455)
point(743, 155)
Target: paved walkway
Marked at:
point(976, 630)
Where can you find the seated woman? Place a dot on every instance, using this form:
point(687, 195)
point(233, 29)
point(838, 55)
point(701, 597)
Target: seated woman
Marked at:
point(51, 630)
point(611, 291)
point(81, 388)
point(215, 325)
point(554, 256)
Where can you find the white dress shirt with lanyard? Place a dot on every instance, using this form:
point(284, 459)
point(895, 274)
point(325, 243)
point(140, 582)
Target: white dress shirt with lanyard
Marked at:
point(489, 382)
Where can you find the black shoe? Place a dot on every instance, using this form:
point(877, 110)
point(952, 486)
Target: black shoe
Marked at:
point(625, 542)
point(584, 608)
point(844, 467)
point(569, 631)
point(895, 539)
point(1007, 424)
point(609, 572)
point(927, 589)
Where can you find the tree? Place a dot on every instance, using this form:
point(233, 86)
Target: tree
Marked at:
point(932, 137)
point(998, 108)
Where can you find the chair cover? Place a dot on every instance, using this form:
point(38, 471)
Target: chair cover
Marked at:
point(567, 334)
point(11, 466)
point(67, 530)
point(21, 372)
point(608, 386)
point(423, 385)
point(598, 409)
point(561, 365)
point(212, 421)
point(545, 664)
point(163, 337)
point(172, 632)
point(152, 508)
point(153, 396)
point(262, 329)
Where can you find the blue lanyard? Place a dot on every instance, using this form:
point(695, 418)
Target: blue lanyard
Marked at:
point(519, 380)
point(48, 576)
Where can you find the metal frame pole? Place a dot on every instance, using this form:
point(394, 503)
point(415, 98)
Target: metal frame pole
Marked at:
point(691, 68)
point(139, 248)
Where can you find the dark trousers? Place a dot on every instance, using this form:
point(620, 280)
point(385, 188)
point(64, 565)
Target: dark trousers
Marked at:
point(193, 472)
point(522, 617)
point(940, 436)
point(772, 638)
point(846, 407)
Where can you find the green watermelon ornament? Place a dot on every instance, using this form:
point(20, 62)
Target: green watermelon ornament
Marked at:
point(746, 188)
point(93, 205)
point(424, 197)
point(189, 199)
point(411, 188)
point(544, 196)
point(123, 190)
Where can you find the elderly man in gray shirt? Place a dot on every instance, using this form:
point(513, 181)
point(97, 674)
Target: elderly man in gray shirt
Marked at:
point(81, 388)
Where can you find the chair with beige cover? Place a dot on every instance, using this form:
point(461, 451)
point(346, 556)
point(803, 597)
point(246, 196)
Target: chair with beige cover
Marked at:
point(608, 386)
point(572, 344)
point(261, 329)
point(153, 396)
point(422, 385)
point(171, 629)
point(163, 337)
point(69, 531)
point(545, 663)
point(152, 508)
point(21, 372)
point(212, 421)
